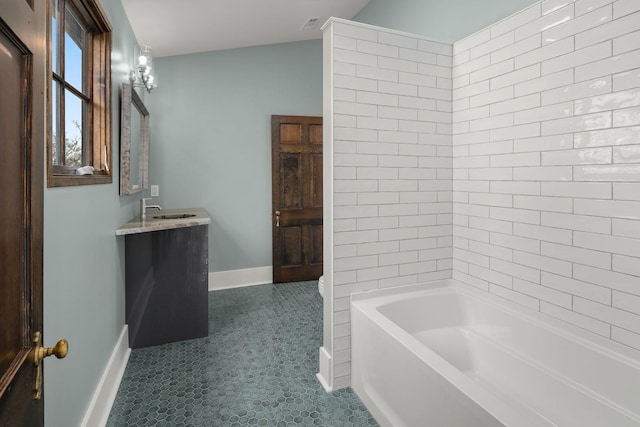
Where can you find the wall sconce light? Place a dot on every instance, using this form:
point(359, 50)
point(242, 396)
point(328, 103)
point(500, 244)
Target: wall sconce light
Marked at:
point(141, 76)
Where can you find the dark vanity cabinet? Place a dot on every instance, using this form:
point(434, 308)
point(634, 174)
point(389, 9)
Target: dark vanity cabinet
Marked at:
point(167, 285)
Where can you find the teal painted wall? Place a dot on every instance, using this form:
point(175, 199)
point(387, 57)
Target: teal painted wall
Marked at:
point(84, 265)
point(443, 20)
point(211, 138)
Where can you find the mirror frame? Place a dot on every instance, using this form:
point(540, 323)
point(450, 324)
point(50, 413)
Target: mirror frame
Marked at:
point(130, 100)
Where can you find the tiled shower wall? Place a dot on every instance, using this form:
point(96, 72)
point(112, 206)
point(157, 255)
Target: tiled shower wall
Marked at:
point(392, 167)
point(546, 146)
point(540, 114)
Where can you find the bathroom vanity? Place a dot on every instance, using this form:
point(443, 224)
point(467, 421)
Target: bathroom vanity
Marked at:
point(166, 258)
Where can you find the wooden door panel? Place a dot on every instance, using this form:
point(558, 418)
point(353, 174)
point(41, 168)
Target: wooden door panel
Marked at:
point(291, 181)
point(315, 244)
point(15, 65)
point(315, 181)
point(315, 134)
point(291, 133)
point(297, 197)
point(14, 410)
point(22, 118)
point(291, 247)
point(292, 274)
point(12, 229)
point(309, 216)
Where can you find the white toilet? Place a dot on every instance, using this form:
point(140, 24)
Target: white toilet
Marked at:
point(321, 286)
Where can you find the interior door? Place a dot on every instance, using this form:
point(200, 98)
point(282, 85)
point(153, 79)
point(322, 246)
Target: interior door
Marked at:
point(297, 197)
point(22, 120)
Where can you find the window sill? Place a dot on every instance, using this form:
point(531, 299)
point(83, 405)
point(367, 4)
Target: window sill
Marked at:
point(75, 180)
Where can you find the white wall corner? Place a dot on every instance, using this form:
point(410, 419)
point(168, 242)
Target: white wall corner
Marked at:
point(324, 376)
point(103, 397)
point(239, 278)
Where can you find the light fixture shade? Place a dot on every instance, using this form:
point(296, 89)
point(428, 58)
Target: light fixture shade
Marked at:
point(142, 75)
point(152, 81)
point(144, 58)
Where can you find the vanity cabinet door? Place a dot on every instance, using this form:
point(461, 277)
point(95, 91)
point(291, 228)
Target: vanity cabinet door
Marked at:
point(167, 285)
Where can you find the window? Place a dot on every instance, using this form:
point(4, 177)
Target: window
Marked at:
point(79, 93)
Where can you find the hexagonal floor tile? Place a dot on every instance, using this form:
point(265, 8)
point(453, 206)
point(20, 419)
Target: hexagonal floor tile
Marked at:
point(256, 367)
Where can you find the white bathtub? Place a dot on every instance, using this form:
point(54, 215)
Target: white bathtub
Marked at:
point(443, 354)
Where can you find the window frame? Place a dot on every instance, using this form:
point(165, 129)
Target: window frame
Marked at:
point(97, 127)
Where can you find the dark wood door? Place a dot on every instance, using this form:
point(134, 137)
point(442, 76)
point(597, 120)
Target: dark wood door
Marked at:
point(297, 197)
point(22, 120)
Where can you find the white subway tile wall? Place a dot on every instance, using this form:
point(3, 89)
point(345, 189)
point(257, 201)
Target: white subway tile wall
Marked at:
point(558, 228)
point(510, 161)
point(392, 166)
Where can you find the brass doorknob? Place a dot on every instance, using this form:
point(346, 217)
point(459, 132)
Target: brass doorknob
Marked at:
point(60, 350)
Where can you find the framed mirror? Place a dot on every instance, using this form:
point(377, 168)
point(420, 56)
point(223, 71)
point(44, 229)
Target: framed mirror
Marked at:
point(134, 143)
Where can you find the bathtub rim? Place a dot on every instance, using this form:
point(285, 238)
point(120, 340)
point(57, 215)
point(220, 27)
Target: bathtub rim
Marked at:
point(490, 403)
point(372, 299)
point(367, 303)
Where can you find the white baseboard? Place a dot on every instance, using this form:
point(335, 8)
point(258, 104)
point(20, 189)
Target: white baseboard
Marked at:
point(239, 278)
point(102, 400)
point(325, 370)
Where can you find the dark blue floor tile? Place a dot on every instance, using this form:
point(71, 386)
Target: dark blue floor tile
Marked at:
point(256, 368)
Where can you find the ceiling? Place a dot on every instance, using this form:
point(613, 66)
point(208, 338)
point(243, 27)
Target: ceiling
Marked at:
point(176, 27)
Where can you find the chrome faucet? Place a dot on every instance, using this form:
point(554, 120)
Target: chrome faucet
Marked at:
point(144, 206)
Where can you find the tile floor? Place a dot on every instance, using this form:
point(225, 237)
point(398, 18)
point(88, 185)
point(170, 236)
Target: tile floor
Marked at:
point(256, 367)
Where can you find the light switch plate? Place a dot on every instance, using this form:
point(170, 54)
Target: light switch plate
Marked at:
point(155, 190)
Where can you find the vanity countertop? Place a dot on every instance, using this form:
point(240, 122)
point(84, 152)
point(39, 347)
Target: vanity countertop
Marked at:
point(137, 225)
